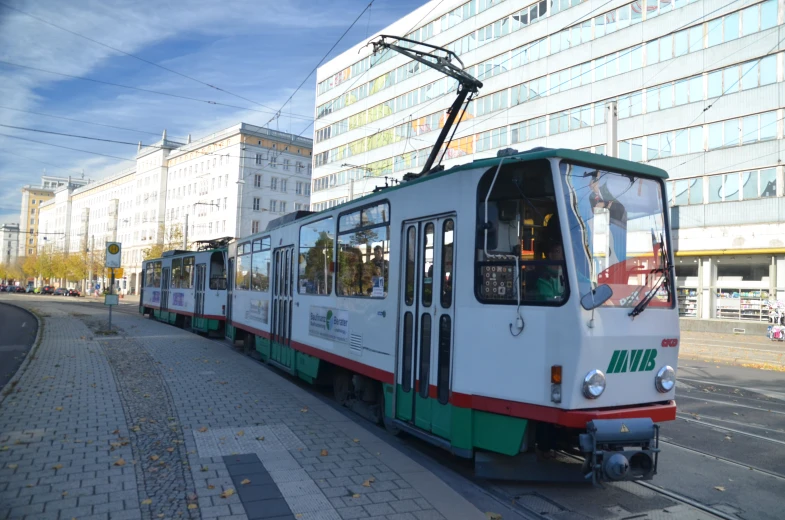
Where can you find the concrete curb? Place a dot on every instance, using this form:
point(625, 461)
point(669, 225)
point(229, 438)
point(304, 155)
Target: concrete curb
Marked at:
point(6, 391)
point(738, 356)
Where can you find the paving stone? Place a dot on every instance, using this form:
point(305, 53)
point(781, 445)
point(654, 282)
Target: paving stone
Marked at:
point(428, 514)
point(404, 506)
point(264, 509)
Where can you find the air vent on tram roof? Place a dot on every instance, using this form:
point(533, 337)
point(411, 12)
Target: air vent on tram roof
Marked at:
point(289, 217)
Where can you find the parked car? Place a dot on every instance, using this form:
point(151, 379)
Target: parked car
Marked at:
point(30, 289)
point(9, 288)
point(19, 290)
point(61, 291)
point(74, 292)
point(47, 289)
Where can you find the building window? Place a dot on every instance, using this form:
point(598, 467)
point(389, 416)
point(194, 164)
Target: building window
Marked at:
point(256, 203)
point(283, 206)
point(255, 226)
point(273, 161)
point(273, 206)
point(283, 184)
point(286, 164)
point(258, 158)
point(298, 188)
point(225, 198)
point(308, 188)
point(257, 181)
point(274, 183)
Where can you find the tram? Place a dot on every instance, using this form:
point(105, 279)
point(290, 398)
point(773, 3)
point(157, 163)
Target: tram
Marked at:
point(187, 288)
point(511, 310)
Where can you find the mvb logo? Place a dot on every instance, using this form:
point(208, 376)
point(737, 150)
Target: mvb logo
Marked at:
point(635, 360)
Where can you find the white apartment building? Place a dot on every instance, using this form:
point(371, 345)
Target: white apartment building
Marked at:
point(699, 91)
point(9, 243)
point(32, 198)
point(228, 184)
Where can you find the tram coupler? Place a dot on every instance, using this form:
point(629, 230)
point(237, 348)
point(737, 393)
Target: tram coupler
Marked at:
point(616, 450)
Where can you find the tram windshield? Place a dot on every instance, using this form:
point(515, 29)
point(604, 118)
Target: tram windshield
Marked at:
point(617, 229)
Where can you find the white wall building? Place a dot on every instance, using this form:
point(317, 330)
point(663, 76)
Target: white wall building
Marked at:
point(699, 87)
point(228, 184)
point(9, 243)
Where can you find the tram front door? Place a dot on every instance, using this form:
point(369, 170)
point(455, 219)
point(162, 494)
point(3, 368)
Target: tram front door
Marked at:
point(424, 351)
point(165, 290)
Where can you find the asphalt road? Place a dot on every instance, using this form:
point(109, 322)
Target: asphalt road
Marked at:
point(17, 334)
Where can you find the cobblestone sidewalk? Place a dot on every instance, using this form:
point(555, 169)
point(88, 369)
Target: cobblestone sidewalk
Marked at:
point(159, 423)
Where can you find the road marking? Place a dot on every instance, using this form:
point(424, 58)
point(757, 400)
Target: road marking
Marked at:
point(767, 393)
point(761, 437)
point(682, 396)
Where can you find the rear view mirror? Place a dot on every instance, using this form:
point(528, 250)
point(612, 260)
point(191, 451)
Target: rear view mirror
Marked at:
point(597, 297)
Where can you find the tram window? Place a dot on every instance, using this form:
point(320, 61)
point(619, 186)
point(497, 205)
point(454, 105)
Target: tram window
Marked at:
point(427, 265)
point(177, 268)
point(156, 274)
point(186, 277)
point(408, 331)
point(149, 277)
point(523, 223)
point(316, 261)
point(448, 250)
point(218, 270)
point(443, 366)
point(425, 354)
point(260, 265)
point(364, 252)
point(411, 248)
point(242, 271)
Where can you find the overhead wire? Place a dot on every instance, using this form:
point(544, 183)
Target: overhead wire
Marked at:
point(65, 147)
point(132, 55)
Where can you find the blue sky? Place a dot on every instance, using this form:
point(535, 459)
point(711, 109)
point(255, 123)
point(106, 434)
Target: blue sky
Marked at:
point(259, 49)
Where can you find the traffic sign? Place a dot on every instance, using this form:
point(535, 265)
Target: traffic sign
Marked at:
point(113, 252)
point(118, 272)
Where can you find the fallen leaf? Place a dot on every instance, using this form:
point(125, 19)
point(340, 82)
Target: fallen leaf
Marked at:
point(12, 466)
point(203, 429)
point(227, 493)
point(57, 466)
point(356, 440)
point(240, 433)
point(143, 419)
point(135, 429)
point(367, 484)
point(735, 413)
point(59, 409)
point(304, 409)
point(64, 493)
point(193, 506)
point(210, 486)
point(323, 453)
point(154, 457)
point(191, 497)
point(119, 462)
point(146, 396)
point(728, 438)
point(260, 438)
point(204, 468)
point(4, 448)
point(719, 488)
point(356, 495)
point(147, 502)
point(372, 479)
point(493, 516)
point(161, 515)
point(245, 482)
point(170, 450)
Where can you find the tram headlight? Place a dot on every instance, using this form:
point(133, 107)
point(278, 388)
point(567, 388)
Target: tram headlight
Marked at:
point(665, 379)
point(594, 384)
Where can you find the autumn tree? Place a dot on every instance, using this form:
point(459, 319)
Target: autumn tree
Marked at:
point(172, 239)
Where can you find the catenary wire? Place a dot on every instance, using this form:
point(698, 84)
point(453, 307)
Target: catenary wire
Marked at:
point(66, 147)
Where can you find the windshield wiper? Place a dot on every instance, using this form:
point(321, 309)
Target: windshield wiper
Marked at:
point(664, 269)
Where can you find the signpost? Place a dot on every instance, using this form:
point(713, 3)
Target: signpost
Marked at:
point(113, 253)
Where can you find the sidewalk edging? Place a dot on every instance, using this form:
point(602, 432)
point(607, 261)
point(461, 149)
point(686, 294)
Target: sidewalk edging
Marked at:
point(6, 391)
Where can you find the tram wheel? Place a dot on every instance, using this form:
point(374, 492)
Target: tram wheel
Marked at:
point(342, 386)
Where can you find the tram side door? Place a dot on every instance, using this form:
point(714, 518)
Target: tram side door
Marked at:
point(165, 288)
point(423, 374)
point(201, 271)
point(229, 296)
point(281, 322)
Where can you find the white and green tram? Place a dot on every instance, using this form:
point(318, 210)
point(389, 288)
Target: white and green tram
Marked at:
point(513, 309)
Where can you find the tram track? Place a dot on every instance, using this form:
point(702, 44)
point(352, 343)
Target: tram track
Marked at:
point(728, 429)
point(762, 471)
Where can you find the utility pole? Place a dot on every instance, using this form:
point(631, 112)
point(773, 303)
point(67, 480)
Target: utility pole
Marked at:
point(92, 259)
point(612, 126)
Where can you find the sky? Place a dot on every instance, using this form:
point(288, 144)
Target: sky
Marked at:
point(260, 50)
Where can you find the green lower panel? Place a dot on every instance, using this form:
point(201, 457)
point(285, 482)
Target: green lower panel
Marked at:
point(213, 324)
point(307, 367)
point(422, 412)
point(230, 332)
point(275, 352)
point(199, 324)
point(262, 347)
point(157, 314)
point(465, 428)
point(172, 317)
point(403, 404)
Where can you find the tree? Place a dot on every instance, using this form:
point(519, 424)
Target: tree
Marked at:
point(59, 265)
point(30, 266)
point(77, 266)
point(172, 239)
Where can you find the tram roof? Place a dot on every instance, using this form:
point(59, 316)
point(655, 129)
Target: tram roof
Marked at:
point(596, 160)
